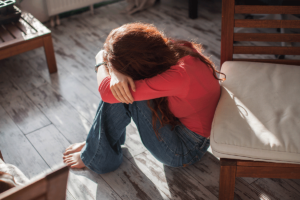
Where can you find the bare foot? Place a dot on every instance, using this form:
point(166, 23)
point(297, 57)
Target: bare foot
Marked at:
point(74, 160)
point(73, 148)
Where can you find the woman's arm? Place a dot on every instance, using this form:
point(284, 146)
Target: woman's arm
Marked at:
point(119, 86)
point(102, 71)
point(118, 83)
point(173, 82)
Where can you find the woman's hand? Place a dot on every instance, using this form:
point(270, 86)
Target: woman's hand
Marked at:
point(119, 86)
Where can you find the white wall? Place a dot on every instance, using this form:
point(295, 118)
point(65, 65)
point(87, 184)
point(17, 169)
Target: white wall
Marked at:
point(37, 8)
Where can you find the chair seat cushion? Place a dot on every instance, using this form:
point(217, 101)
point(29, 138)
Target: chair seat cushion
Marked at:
point(258, 115)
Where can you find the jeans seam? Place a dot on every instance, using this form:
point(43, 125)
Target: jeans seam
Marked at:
point(204, 143)
point(152, 127)
point(191, 135)
point(176, 154)
point(189, 150)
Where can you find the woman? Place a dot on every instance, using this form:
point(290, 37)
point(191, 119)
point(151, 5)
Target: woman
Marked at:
point(169, 89)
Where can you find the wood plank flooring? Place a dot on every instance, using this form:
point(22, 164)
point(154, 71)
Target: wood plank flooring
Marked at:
point(41, 114)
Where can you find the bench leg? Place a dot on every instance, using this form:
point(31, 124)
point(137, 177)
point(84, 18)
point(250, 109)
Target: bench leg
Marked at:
point(227, 179)
point(49, 52)
point(1, 157)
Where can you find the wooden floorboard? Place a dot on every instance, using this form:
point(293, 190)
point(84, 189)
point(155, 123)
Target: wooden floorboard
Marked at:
point(61, 113)
point(8, 89)
point(174, 183)
point(131, 183)
point(82, 184)
point(207, 172)
point(25, 114)
point(41, 114)
point(277, 189)
point(80, 97)
point(20, 72)
point(133, 143)
point(17, 150)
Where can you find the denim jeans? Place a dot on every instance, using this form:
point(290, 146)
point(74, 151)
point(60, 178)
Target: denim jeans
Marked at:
point(102, 152)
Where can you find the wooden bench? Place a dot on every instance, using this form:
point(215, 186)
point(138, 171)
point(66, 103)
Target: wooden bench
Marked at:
point(25, 35)
point(51, 187)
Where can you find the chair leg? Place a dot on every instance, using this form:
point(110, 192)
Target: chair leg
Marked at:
point(193, 9)
point(49, 52)
point(227, 179)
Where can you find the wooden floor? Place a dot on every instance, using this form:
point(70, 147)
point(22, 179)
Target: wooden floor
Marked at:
point(41, 115)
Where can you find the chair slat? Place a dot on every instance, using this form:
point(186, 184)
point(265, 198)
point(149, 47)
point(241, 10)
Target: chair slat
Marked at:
point(279, 61)
point(5, 35)
point(266, 50)
point(268, 172)
point(14, 30)
point(266, 37)
point(257, 23)
point(254, 9)
point(35, 24)
point(28, 30)
point(20, 26)
point(227, 31)
point(265, 164)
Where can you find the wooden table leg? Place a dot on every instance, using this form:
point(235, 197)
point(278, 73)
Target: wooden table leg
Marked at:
point(227, 179)
point(49, 52)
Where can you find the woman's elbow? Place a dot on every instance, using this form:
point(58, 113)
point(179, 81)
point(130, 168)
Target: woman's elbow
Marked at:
point(106, 97)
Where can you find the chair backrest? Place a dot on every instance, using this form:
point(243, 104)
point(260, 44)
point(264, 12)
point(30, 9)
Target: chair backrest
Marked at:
point(229, 9)
point(51, 187)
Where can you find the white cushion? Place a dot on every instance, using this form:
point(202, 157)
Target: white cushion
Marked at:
point(19, 177)
point(258, 115)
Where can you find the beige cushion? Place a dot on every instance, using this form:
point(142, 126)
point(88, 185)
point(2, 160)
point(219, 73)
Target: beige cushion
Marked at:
point(258, 115)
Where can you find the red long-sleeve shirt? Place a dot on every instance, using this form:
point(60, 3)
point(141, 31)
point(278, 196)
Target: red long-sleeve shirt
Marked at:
point(191, 88)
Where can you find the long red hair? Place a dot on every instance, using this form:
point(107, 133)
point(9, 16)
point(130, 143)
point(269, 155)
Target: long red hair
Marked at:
point(141, 51)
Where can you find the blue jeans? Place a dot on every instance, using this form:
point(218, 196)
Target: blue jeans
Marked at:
point(102, 152)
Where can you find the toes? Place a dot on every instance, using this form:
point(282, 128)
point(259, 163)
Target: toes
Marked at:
point(67, 160)
point(73, 160)
point(77, 166)
point(70, 163)
point(67, 152)
point(70, 151)
point(68, 148)
point(74, 166)
point(67, 156)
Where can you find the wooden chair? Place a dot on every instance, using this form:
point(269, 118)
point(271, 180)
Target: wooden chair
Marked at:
point(244, 145)
point(51, 187)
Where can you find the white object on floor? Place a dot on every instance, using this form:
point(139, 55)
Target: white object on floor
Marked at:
point(19, 177)
point(258, 115)
point(134, 6)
